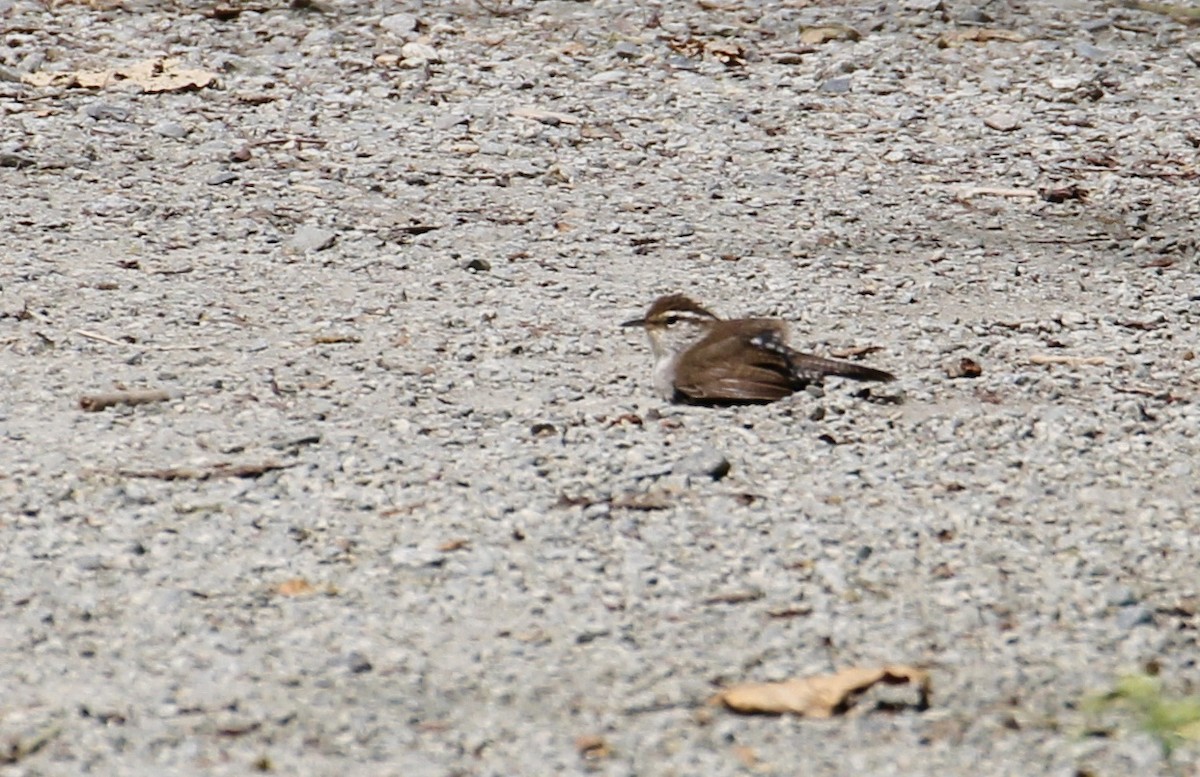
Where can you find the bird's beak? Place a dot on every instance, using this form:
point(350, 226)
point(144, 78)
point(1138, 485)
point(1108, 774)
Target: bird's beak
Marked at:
point(634, 322)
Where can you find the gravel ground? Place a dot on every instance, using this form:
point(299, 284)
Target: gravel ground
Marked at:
point(388, 250)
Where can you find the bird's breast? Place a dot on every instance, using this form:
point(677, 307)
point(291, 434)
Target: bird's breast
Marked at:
point(664, 375)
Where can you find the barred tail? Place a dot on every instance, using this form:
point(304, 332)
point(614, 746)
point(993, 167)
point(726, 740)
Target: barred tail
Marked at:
point(808, 367)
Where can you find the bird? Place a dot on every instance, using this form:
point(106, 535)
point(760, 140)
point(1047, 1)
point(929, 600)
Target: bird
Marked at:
point(700, 358)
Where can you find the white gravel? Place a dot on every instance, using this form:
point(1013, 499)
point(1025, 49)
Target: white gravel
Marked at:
point(391, 249)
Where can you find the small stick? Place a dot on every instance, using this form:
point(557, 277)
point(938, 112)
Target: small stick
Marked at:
point(223, 470)
point(94, 403)
point(90, 335)
point(98, 337)
point(997, 192)
point(1074, 361)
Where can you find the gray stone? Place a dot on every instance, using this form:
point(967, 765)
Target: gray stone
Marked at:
point(839, 85)
point(1088, 51)
point(627, 50)
point(171, 129)
point(705, 463)
point(399, 24)
point(312, 238)
point(1136, 615)
point(106, 112)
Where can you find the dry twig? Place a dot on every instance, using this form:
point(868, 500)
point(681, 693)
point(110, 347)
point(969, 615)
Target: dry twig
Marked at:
point(94, 403)
point(222, 470)
point(1074, 361)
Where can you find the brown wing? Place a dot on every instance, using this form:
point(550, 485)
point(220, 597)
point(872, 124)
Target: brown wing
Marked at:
point(726, 376)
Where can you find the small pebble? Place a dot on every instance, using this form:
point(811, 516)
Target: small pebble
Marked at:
point(1136, 615)
point(399, 24)
point(627, 50)
point(840, 85)
point(171, 129)
point(1002, 122)
point(104, 111)
point(310, 238)
point(706, 463)
point(418, 54)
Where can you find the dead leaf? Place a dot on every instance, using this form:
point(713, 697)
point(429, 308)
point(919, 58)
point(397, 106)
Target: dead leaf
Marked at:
point(1063, 193)
point(728, 54)
point(956, 38)
point(152, 75)
point(592, 747)
point(746, 756)
point(627, 418)
point(964, 368)
point(599, 130)
point(823, 696)
point(455, 544)
point(295, 587)
point(687, 47)
point(989, 396)
point(825, 33)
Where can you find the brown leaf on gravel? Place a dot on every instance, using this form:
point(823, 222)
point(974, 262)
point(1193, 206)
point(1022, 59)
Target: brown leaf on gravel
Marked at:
point(687, 47)
point(964, 368)
point(728, 54)
point(1063, 193)
point(823, 696)
point(746, 756)
point(297, 586)
point(825, 33)
point(458, 543)
point(956, 38)
point(152, 75)
point(592, 747)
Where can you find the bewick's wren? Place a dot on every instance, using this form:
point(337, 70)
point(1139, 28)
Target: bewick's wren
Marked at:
point(703, 359)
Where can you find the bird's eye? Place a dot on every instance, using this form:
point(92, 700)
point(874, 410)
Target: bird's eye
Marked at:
point(672, 320)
